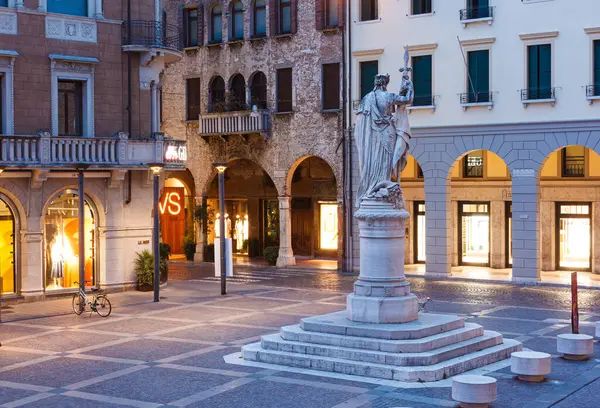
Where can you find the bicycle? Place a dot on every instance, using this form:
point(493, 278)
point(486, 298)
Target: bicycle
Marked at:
point(100, 304)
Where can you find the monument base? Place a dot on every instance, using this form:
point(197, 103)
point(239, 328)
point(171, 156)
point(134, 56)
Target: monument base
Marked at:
point(369, 309)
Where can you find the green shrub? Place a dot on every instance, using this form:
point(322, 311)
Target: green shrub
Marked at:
point(165, 250)
point(144, 268)
point(270, 254)
point(190, 250)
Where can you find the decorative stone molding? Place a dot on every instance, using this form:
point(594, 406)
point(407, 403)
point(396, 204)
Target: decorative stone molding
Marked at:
point(68, 28)
point(367, 53)
point(38, 177)
point(539, 36)
point(8, 22)
point(478, 41)
point(592, 30)
point(422, 47)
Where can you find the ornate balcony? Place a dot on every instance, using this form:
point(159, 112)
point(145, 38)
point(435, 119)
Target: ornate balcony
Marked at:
point(155, 37)
point(472, 15)
point(242, 123)
point(470, 99)
point(538, 95)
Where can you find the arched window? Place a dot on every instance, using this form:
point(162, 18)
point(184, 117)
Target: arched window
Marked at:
point(259, 22)
point(216, 24)
point(258, 90)
point(237, 21)
point(237, 95)
point(72, 7)
point(216, 95)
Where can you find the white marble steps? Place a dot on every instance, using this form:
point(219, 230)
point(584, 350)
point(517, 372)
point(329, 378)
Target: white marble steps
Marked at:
point(434, 372)
point(428, 324)
point(469, 331)
point(487, 340)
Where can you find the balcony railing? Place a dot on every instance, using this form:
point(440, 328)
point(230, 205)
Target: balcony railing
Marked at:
point(476, 13)
point(235, 123)
point(152, 34)
point(538, 94)
point(592, 91)
point(476, 97)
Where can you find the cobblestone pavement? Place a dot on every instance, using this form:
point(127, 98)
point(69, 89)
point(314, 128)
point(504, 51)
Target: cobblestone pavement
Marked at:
point(171, 353)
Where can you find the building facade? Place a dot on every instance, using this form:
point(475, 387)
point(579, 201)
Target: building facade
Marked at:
point(504, 160)
point(260, 87)
point(79, 86)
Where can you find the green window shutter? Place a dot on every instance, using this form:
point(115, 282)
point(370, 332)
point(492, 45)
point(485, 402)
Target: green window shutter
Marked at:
point(368, 71)
point(597, 65)
point(545, 75)
point(533, 70)
point(479, 72)
point(422, 80)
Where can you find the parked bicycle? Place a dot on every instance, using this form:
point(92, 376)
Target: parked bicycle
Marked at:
point(99, 303)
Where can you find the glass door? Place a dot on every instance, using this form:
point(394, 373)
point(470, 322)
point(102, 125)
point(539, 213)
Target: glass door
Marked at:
point(474, 232)
point(508, 224)
point(420, 228)
point(573, 236)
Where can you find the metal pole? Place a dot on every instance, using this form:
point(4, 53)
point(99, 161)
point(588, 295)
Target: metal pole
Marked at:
point(155, 243)
point(223, 233)
point(81, 220)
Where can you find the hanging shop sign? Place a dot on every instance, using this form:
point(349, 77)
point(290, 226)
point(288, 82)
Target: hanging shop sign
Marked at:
point(175, 153)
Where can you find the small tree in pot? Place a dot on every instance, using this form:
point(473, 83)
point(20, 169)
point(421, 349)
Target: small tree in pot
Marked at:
point(144, 270)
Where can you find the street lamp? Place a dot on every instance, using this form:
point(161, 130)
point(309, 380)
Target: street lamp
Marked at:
point(221, 166)
point(156, 168)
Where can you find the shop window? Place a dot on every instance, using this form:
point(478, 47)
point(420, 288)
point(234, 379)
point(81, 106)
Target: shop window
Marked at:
point(573, 236)
point(216, 24)
point(420, 231)
point(258, 90)
point(573, 161)
point(237, 93)
point(193, 98)
point(216, 95)
point(368, 10)
point(368, 71)
point(190, 25)
point(479, 76)
point(539, 72)
point(61, 241)
point(421, 7)
point(284, 90)
point(331, 86)
point(423, 80)
point(473, 165)
point(259, 21)
point(70, 108)
point(328, 232)
point(474, 233)
point(72, 7)
point(7, 249)
point(236, 28)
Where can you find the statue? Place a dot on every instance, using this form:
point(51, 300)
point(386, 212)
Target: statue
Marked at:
point(382, 138)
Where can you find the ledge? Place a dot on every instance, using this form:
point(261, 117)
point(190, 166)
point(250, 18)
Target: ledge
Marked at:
point(193, 48)
point(534, 101)
point(465, 106)
point(338, 110)
point(417, 108)
point(282, 113)
point(235, 41)
point(214, 44)
point(591, 99)
point(489, 20)
point(70, 58)
point(258, 38)
point(8, 53)
point(284, 35)
point(421, 15)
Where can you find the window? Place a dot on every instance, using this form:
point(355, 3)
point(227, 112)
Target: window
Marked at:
point(216, 25)
point(596, 91)
point(368, 10)
point(217, 95)
point(368, 71)
point(573, 236)
point(237, 21)
point(237, 93)
point(192, 87)
point(479, 77)
point(573, 161)
point(421, 7)
point(3, 3)
point(420, 232)
point(423, 80)
point(72, 7)
point(473, 165)
point(285, 16)
point(190, 25)
point(539, 72)
point(260, 18)
point(332, 15)
point(284, 90)
point(258, 90)
point(70, 112)
point(331, 86)
point(477, 9)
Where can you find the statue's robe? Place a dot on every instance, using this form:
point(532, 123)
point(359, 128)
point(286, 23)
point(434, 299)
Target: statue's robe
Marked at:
point(382, 137)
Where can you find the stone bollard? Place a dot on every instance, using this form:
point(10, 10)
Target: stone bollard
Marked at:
point(474, 391)
point(530, 366)
point(575, 346)
point(598, 330)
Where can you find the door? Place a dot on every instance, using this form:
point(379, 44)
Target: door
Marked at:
point(172, 218)
point(419, 229)
point(474, 233)
point(573, 236)
point(302, 226)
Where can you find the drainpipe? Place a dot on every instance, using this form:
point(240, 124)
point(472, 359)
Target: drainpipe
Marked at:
point(129, 90)
point(348, 144)
point(345, 253)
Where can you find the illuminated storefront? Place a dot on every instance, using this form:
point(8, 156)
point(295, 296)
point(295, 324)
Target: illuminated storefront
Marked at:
point(509, 224)
point(237, 224)
point(328, 232)
point(474, 230)
point(7, 248)
point(420, 232)
point(61, 242)
point(573, 236)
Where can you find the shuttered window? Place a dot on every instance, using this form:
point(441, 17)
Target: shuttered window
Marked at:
point(539, 75)
point(216, 24)
point(479, 74)
point(597, 68)
point(421, 6)
point(423, 80)
point(192, 98)
point(190, 23)
point(285, 16)
point(478, 9)
point(368, 10)
point(260, 18)
point(284, 90)
point(237, 21)
point(331, 86)
point(368, 70)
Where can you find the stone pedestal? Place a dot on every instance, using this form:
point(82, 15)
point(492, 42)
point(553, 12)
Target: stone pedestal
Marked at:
point(530, 366)
point(575, 346)
point(381, 293)
point(474, 391)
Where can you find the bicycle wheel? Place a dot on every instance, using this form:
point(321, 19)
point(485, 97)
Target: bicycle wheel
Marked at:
point(78, 304)
point(103, 307)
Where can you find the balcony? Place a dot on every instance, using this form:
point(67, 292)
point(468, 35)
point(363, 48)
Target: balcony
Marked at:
point(153, 37)
point(538, 95)
point(471, 99)
point(242, 123)
point(477, 14)
point(592, 93)
point(118, 151)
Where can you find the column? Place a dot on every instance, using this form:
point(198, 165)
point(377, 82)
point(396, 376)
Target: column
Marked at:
point(547, 234)
point(497, 234)
point(99, 10)
point(439, 227)
point(286, 255)
point(525, 193)
point(200, 233)
point(153, 110)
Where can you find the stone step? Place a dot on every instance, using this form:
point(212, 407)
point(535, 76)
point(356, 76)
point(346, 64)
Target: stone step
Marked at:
point(489, 339)
point(471, 330)
point(436, 372)
point(428, 324)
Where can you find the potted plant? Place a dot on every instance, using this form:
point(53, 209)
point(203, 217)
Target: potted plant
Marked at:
point(144, 270)
point(270, 254)
point(189, 247)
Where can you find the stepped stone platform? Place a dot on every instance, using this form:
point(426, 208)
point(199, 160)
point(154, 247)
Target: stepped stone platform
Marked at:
point(432, 348)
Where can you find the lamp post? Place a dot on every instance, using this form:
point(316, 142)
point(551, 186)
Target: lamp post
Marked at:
point(156, 168)
point(223, 234)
